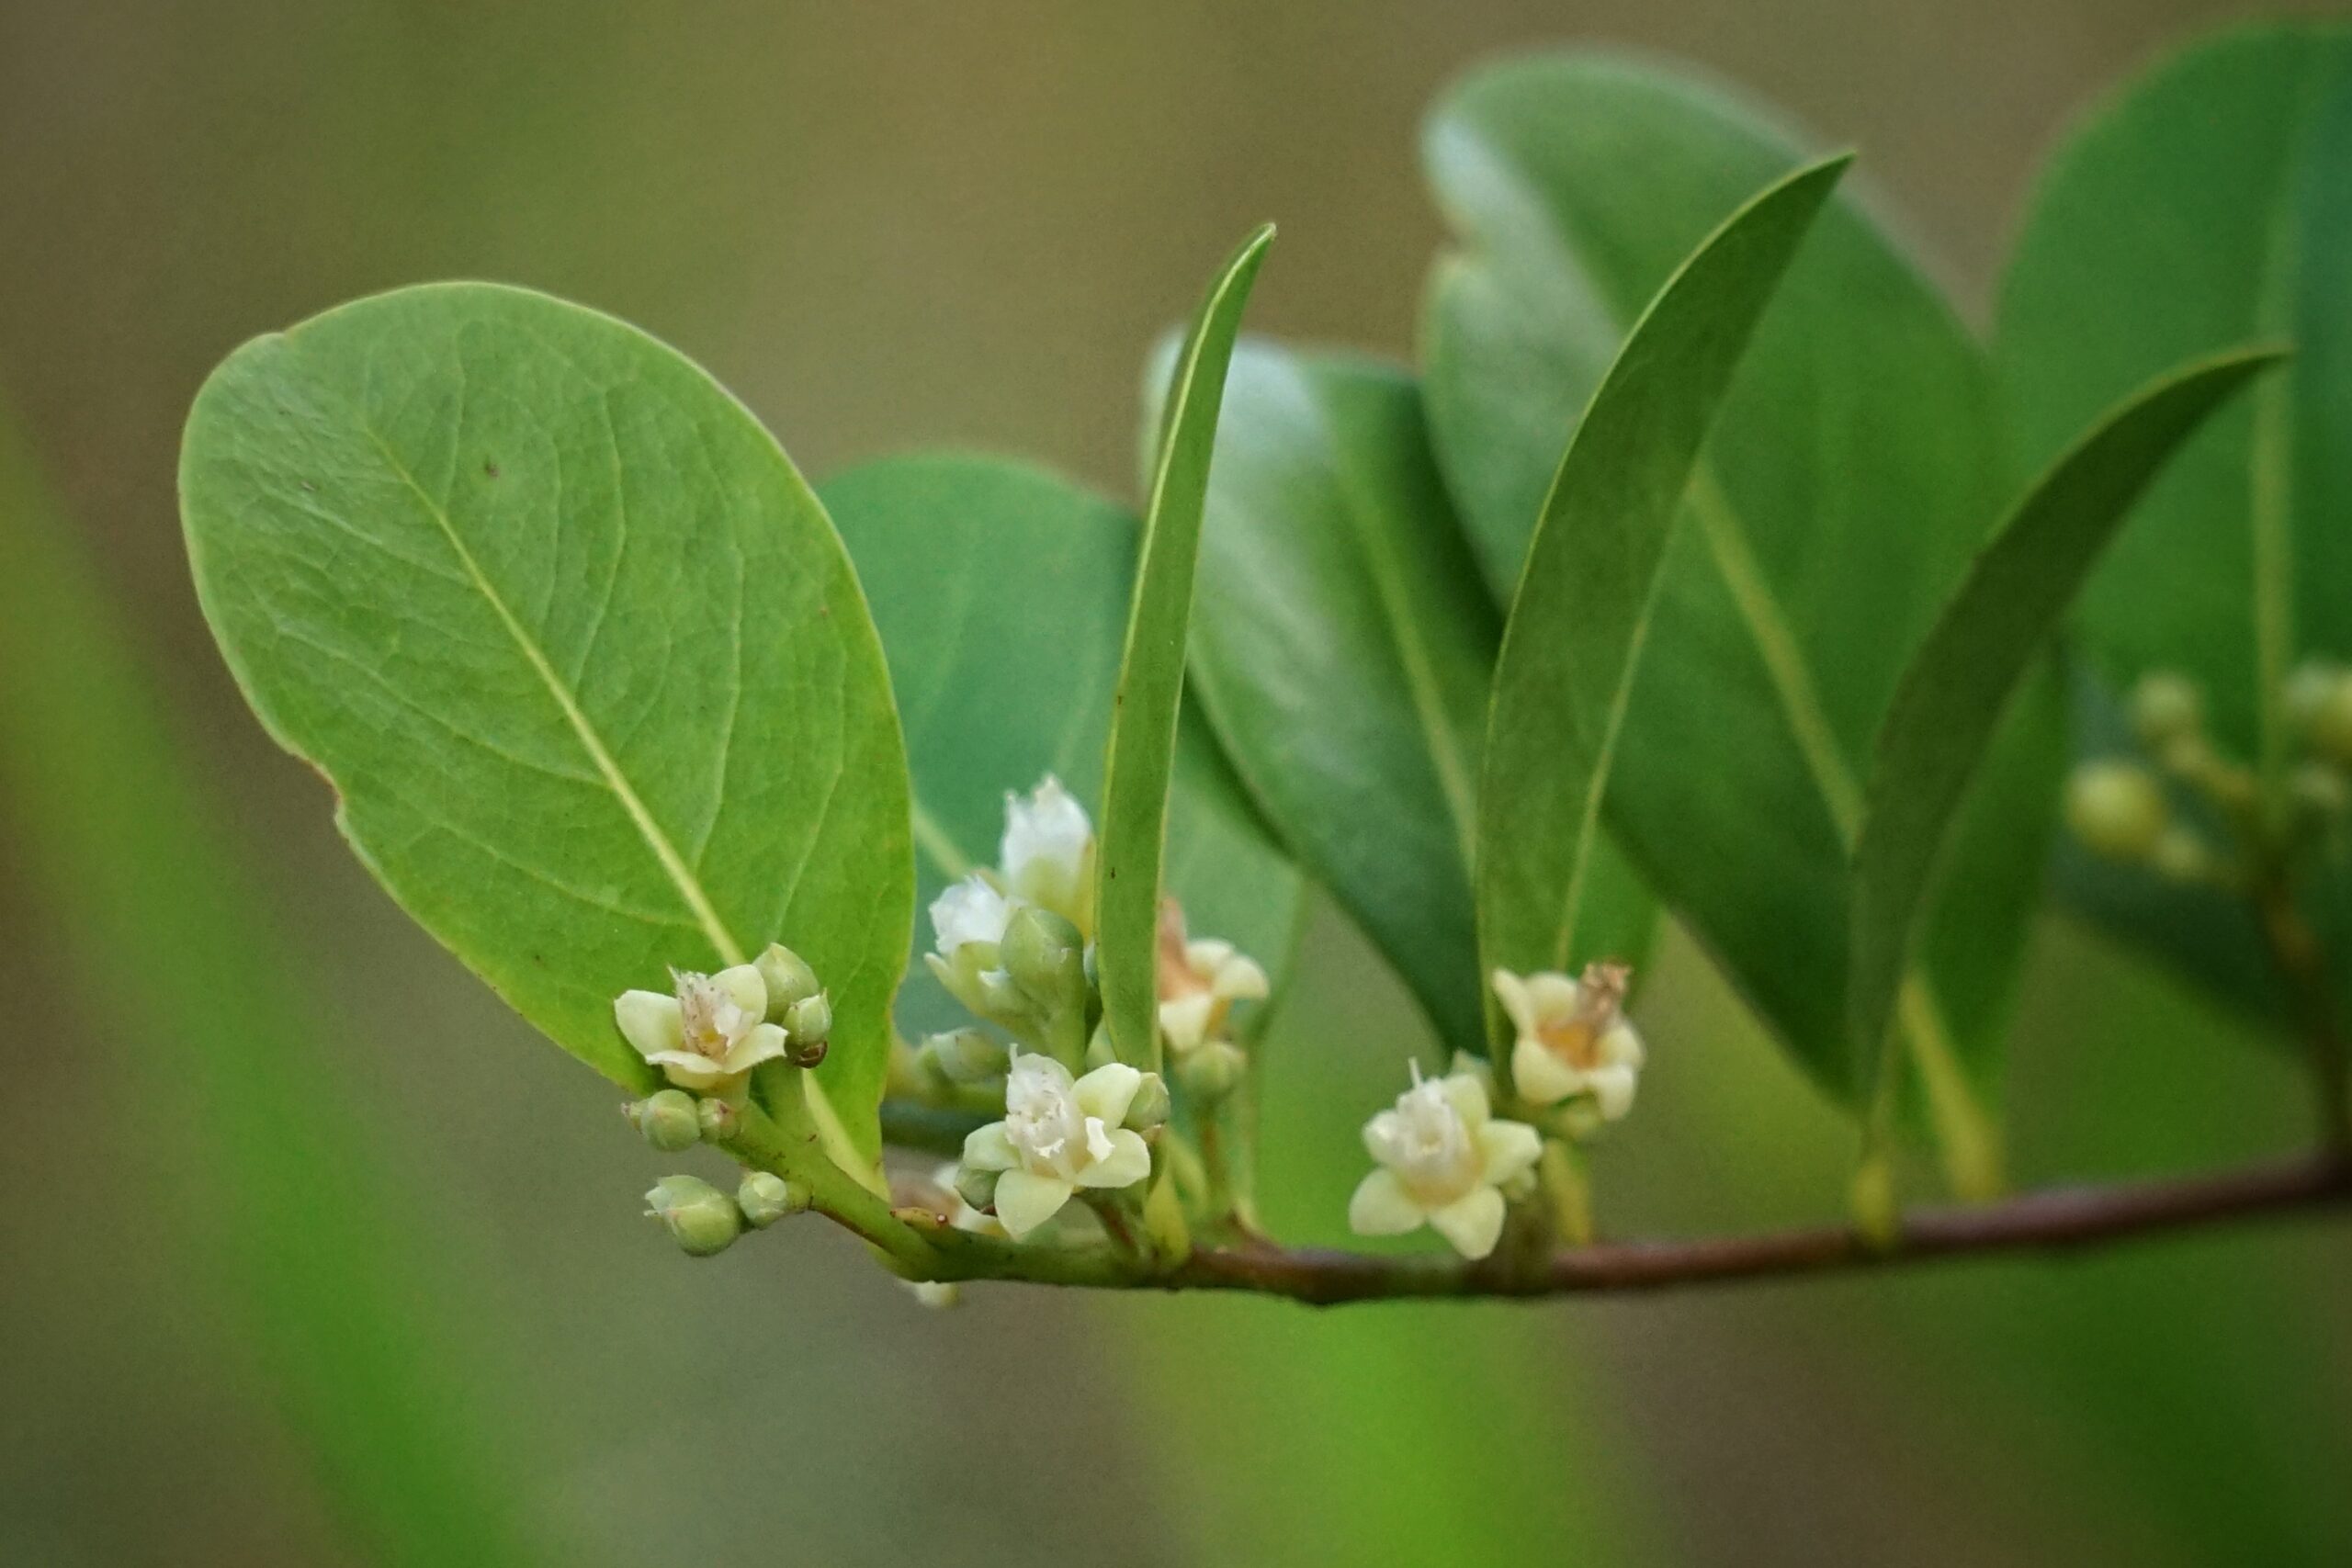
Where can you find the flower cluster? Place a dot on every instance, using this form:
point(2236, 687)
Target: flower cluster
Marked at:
point(1013, 944)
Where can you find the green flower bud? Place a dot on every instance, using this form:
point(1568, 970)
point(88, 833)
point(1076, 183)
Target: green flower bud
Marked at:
point(2319, 790)
point(718, 1121)
point(1213, 1071)
point(976, 1188)
point(700, 1218)
point(2307, 690)
point(965, 1057)
point(2116, 809)
point(2181, 856)
point(1046, 959)
point(789, 979)
point(1149, 1108)
point(766, 1198)
point(2328, 731)
point(2166, 708)
point(667, 1119)
point(811, 1024)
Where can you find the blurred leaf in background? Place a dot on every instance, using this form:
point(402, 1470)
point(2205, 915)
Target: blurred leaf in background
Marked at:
point(253, 1178)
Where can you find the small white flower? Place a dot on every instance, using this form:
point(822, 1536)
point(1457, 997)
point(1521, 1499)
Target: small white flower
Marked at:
point(1198, 981)
point(1442, 1156)
point(969, 912)
point(1048, 855)
point(1057, 1135)
point(708, 1035)
point(1573, 1038)
point(937, 1295)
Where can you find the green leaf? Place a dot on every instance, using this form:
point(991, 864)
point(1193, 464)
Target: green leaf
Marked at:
point(353, 1318)
point(999, 589)
point(1579, 620)
point(1978, 655)
point(1853, 468)
point(1142, 747)
point(2208, 203)
point(1343, 645)
point(578, 650)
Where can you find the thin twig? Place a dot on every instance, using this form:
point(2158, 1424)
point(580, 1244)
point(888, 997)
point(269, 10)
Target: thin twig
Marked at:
point(2055, 1220)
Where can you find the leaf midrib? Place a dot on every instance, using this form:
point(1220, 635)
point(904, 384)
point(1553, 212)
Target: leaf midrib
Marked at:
point(682, 876)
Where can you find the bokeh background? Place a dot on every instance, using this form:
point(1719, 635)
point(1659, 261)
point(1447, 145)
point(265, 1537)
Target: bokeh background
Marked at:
point(310, 1254)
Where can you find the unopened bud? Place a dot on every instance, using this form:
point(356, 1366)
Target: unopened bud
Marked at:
point(976, 1188)
point(766, 1198)
point(809, 1023)
point(1046, 959)
point(700, 1218)
point(667, 1119)
point(1877, 1216)
point(2181, 856)
point(2307, 690)
point(2319, 790)
point(1149, 1108)
point(789, 979)
point(718, 1121)
point(964, 1056)
point(937, 1295)
point(2166, 708)
point(2328, 728)
point(2116, 809)
point(1213, 1071)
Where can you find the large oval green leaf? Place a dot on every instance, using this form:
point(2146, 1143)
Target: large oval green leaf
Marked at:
point(1585, 597)
point(1142, 749)
point(578, 650)
point(2206, 204)
point(1981, 651)
point(1001, 592)
point(1852, 471)
point(1343, 646)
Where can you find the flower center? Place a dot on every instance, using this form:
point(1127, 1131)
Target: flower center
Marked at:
point(712, 1021)
point(1429, 1148)
point(1601, 997)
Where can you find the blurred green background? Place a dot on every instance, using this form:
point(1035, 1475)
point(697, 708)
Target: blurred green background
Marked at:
point(314, 1256)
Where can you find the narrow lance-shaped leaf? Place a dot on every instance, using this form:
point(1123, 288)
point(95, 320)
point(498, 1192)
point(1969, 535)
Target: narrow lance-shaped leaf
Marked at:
point(1000, 589)
point(2234, 570)
point(1977, 656)
point(1853, 470)
point(1343, 645)
point(1142, 749)
point(577, 649)
point(1577, 623)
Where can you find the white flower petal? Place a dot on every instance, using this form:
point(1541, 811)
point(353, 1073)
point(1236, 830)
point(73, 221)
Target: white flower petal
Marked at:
point(1107, 1091)
point(1128, 1162)
point(1239, 979)
point(764, 1043)
point(1025, 1200)
point(1612, 1090)
point(1473, 1223)
point(969, 912)
point(1622, 1046)
point(1185, 1021)
point(1382, 1207)
point(651, 1022)
point(1511, 991)
point(1467, 1095)
point(688, 1070)
point(1506, 1149)
point(743, 984)
point(1540, 1078)
point(988, 1149)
